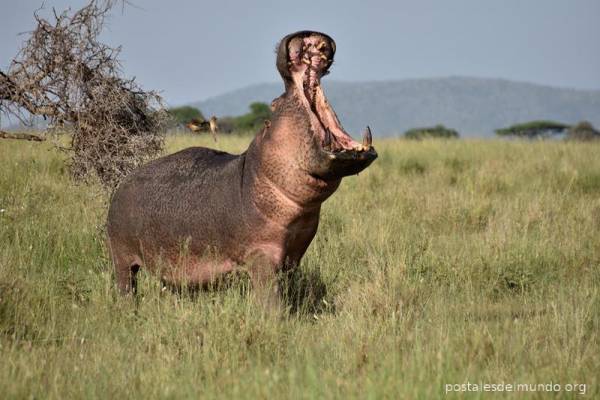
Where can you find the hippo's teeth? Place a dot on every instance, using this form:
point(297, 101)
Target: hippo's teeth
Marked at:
point(321, 45)
point(367, 138)
point(323, 57)
point(306, 61)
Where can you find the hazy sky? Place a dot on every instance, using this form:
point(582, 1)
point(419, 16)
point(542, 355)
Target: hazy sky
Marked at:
point(191, 50)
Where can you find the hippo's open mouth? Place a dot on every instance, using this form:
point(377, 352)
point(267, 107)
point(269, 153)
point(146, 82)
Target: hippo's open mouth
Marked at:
point(309, 56)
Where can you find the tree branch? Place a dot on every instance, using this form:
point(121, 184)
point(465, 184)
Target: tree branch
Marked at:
point(21, 136)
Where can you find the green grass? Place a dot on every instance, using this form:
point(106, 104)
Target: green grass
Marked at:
point(444, 262)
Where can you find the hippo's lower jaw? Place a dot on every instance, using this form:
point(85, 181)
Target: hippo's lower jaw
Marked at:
point(346, 159)
point(346, 162)
point(309, 56)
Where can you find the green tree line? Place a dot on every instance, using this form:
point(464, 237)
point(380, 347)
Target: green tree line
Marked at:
point(251, 121)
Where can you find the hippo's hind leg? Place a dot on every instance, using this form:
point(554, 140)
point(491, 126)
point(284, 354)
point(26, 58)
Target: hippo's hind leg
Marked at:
point(126, 276)
point(126, 269)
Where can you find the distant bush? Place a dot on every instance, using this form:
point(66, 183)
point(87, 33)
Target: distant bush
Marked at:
point(249, 122)
point(583, 131)
point(533, 129)
point(226, 124)
point(259, 112)
point(438, 131)
point(184, 114)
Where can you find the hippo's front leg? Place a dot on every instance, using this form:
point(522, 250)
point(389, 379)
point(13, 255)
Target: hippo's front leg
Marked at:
point(263, 266)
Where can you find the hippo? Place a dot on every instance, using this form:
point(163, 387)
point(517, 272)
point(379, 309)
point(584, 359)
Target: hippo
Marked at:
point(193, 216)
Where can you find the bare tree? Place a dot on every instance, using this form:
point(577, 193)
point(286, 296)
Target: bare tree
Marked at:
point(65, 74)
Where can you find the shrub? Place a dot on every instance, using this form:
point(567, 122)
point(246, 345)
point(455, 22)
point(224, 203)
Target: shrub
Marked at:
point(259, 112)
point(533, 129)
point(182, 115)
point(438, 131)
point(583, 131)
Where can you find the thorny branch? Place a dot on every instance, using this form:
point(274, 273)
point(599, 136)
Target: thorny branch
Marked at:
point(65, 74)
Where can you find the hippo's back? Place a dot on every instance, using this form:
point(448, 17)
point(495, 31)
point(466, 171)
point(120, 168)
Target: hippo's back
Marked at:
point(193, 195)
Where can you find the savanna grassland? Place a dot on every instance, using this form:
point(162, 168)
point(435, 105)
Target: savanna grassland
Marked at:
point(444, 262)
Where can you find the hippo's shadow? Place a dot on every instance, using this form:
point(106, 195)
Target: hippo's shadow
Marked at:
point(302, 292)
point(237, 281)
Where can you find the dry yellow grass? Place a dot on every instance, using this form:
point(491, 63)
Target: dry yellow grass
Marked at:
point(445, 262)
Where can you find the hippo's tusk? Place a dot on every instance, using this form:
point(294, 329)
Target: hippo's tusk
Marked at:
point(367, 138)
point(327, 139)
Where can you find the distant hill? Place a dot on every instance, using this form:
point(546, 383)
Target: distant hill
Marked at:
point(473, 106)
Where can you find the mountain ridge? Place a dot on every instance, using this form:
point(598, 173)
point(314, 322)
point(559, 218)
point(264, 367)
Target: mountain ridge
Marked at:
point(473, 106)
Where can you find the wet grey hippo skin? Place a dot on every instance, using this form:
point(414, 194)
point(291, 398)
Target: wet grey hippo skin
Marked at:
point(195, 215)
